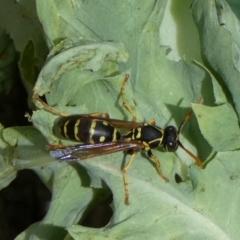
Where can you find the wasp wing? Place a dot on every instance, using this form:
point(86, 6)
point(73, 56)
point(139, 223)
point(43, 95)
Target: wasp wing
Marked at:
point(115, 122)
point(84, 151)
point(124, 124)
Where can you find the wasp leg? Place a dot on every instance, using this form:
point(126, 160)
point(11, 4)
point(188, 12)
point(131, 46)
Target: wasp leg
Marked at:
point(125, 180)
point(125, 105)
point(53, 147)
point(152, 122)
point(36, 98)
point(158, 165)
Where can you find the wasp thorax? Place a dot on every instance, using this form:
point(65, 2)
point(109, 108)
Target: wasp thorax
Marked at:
point(170, 139)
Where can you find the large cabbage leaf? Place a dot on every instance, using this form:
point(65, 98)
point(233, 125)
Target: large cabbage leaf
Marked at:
point(94, 44)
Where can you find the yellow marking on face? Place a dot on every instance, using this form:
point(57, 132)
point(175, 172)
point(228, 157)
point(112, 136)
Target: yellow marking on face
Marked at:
point(76, 130)
point(65, 129)
point(102, 139)
point(139, 133)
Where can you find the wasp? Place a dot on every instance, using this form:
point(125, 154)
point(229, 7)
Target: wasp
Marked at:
point(100, 135)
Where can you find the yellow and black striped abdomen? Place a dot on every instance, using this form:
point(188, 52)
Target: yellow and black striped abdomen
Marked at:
point(87, 130)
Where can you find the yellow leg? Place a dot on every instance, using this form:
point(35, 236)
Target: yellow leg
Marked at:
point(125, 180)
point(158, 166)
point(55, 111)
point(152, 122)
point(125, 105)
point(36, 98)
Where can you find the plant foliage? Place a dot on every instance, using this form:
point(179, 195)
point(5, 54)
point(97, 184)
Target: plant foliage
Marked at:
point(92, 45)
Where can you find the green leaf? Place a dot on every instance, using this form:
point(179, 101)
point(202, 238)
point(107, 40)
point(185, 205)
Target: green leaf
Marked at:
point(7, 171)
point(24, 147)
point(24, 26)
point(218, 25)
point(30, 65)
point(28, 149)
point(7, 63)
point(222, 133)
point(84, 74)
point(195, 204)
point(68, 204)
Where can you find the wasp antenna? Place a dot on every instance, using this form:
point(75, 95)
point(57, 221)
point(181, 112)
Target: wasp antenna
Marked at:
point(197, 159)
point(187, 117)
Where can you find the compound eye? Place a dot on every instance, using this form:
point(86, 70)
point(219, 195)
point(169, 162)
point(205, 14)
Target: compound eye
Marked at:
point(171, 145)
point(171, 139)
